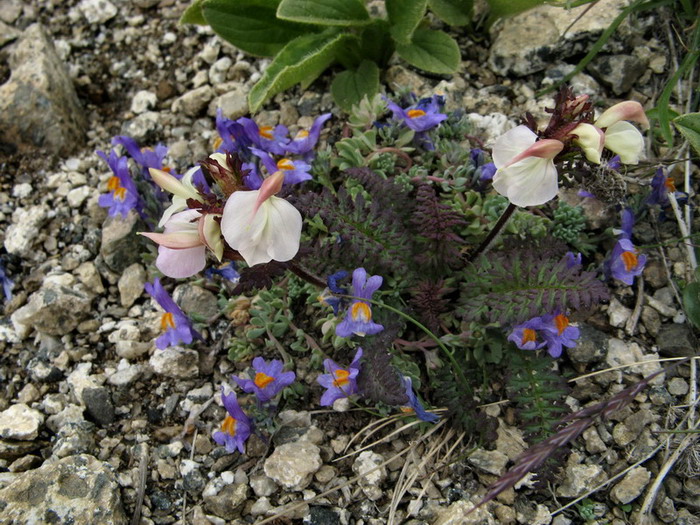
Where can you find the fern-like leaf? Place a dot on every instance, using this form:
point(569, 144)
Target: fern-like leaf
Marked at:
point(379, 380)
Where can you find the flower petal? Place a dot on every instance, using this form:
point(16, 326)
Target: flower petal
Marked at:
point(529, 182)
point(181, 263)
point(625, 140)
point(511, 144)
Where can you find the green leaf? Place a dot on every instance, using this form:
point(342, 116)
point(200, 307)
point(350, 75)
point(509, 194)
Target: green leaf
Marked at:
point(503, 8)
point(251, 25)
point(432, 51)
point(404, 17)
point(689, 126)
point(301, 61)
point(691, 303)
point(324, 12)
point(349, 87)
point(376, 43)
point(453, 12)
point(193, 14)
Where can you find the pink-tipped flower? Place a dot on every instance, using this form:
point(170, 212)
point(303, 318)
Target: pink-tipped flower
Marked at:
point(261, 226)
point(183, 244)
point(621, 137)
point(591, 140)
point(525, 173)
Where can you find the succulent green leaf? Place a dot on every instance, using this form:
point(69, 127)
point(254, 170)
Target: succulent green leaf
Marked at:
point(689, 126)
point(404, 17)
point(193, 14)
point(691, 303)
point(301, 61)
point(251, 25)
point(453, 12)
point(432, 51)
point(350, 87)
point(324, 12)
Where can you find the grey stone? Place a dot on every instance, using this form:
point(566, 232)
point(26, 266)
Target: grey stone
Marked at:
point(594, 444)
point(38, 104)
point(79, 490)
point(24, 230)
point(462, 513)
point(175, 362)
point(143, 127)
point(131, 284)
point(97, 11)
point(99, 405)
point(120, 245)
point(531, 41)
point(74, 438)
point(678, 386)
point(262, 485)
point(146, 4)
point(193, 102)
point(10, 10)
point(651, 320)
point(20, 422)
point(618, 314)
point(196, 300)
point(228, 503)
point(7, 33)
point(88, 275)
point(292, 465)
point(591, 346)
point(489, 461)
point(56, 308)
point(655, 274)
point(631, 485)
point(579, 479)
point(365, 465)
point(533, 514)
point(11, 449)
point(143, 101)
point(125, 374)
point(676, 340)
point(618, 72)
point(233, 104)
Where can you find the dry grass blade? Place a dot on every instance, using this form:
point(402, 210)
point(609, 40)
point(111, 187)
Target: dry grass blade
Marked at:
point(389, 436)
point(143, 471)
point(381, 423)
point(298, 505)
point(630, 365)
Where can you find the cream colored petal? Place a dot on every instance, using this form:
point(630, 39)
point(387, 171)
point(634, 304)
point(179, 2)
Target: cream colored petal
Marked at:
point(591, 140)
point(511, 144)
point(212, 235)
point(284, 225)
point(625, 140)
point(530, 182)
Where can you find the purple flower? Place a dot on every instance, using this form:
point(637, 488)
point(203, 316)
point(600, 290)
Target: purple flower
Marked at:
point(422, 116)
point(529, 335)
point(584, 194)
point(661, 186)
point(625, 263)
point(269, 379)
point(144, 157)
point(614, 163)
point(176, 326)
point(305, 141)
point(558, 332)
point(358, 319)
point(572, 260)
point(414, 405)
point(233, 137)
point(7, 283)
point(227, 271)
point(269, 139)
point(236, 428)
point(328, 297)
point(627, 223)
point(123, 196)
point(339, 382)
point(295, 171)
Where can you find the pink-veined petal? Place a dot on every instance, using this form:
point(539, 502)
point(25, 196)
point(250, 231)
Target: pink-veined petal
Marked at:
point(177, 241)
point(627, 110)
point(530, 182)
point(512, 143)
point(181, 263)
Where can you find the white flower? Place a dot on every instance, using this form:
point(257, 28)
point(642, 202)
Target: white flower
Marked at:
point(621, 137)
point(591, 140)
point(525, 173)
point(181, 189)
point(260, 226)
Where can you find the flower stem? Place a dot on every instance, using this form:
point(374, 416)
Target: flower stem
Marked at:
point(502, 221)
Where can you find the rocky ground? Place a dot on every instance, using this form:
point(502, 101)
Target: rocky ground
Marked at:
point(95, 427)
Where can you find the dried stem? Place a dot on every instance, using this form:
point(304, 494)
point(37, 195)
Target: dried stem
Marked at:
point(502, 221)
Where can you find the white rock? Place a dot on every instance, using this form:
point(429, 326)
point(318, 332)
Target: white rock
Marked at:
point(20, 422)
point(24, 230)
point(77, 196)
point(175, 362)
point(618, 313)
point(366, 466)
point(143, 101)
point(219, 70)
point(292, 465)
point(22, 190)
point(97, 11)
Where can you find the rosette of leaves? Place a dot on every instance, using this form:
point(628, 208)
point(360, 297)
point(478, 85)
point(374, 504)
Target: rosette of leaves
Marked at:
point(305, 37)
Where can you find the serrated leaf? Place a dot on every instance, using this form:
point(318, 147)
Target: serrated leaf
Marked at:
point(453, 12)
point(404, 18)
point(689, 126)
point(691, 303)
point(432, 51)
point(349, 87)
point(301, 61)
point(324, 12)
point(193, 14)
point(251, 25)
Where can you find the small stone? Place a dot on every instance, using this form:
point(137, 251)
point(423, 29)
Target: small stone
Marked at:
point(233, 104)
point(131, 284)
point(99, 405)
point(24, 230)
point(579, 479)
point(462, 512)
point(489, 461)
point(590, 347)
point(631, 485)
point(79, 490)
point(193, 102)
point(678, 386)
point(618, 72)
point(219, 70)
point(77, 196)
point(261, 507)
point(666, 510)
point(97, 11)
point(120, 245)
point(618, 313)
point(125, 374)
point(262, 485)
point(143, 127)
point(676, 340)
point(655, 274)
point(176, 362)
point(88, 275)
point(594, 445)
point(74, 438)
point(12, 449)
point(365, 465)
point(651, 320)
point(10, 10)
point(25, 463)
point(292, 465)
point(228, 502)
point(534, 514)
point(325, 474)
point(20, 422)
point(143, 101)
point(196, 300)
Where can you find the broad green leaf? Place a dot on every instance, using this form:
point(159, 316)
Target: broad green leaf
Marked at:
point(193, 14)
point(453, 12)
point(504, 8)
point(349, 87)
point(432, 51)
point(251, 25)
point(300, 61)
point(404, 18)
point(689, 126)
point(691, 303)
point(324, 12)
point(376, 43)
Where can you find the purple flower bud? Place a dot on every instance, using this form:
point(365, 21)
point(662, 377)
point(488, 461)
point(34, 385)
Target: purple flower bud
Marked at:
point(269, 379)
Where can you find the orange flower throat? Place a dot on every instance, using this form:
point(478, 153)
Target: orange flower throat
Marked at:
point(561, 322)
point(229, 425)
point(413, 113)
point(262, 380)
point(529, 336)
point(341, 378)
point(167, 321)
point(630, 260)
